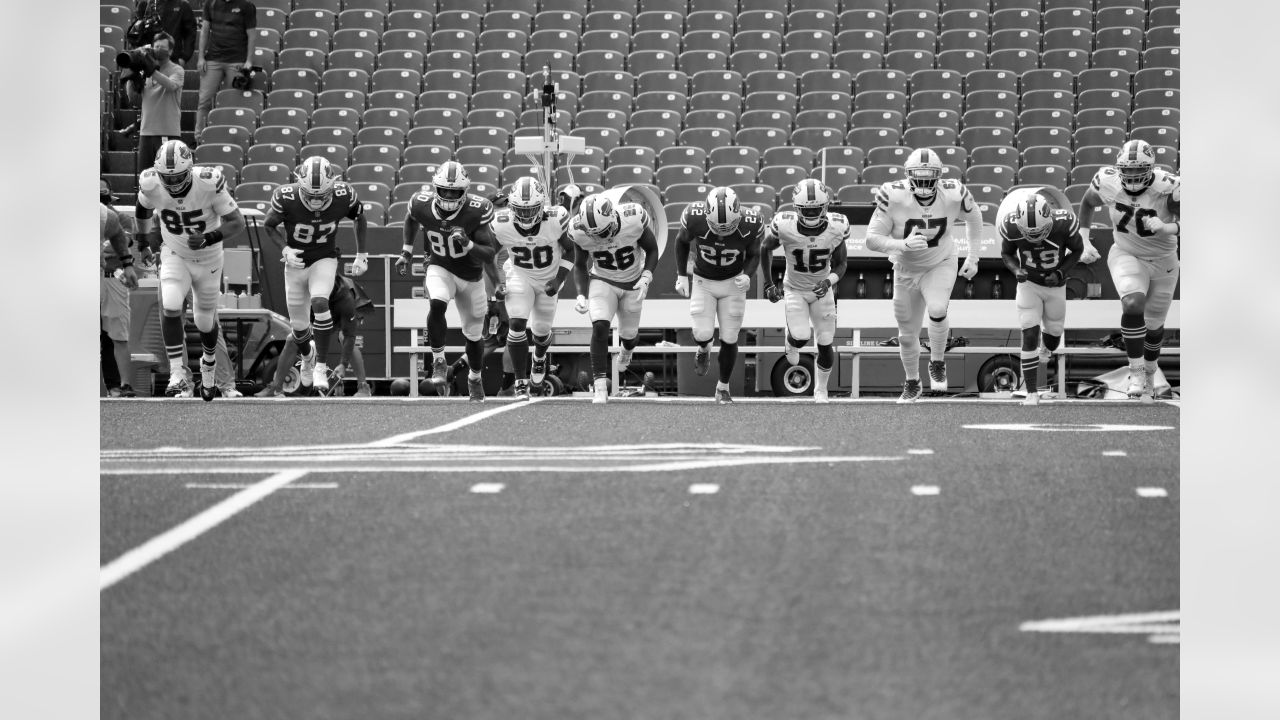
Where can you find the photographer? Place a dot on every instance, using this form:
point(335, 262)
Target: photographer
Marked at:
point(158, 82)
point(172, 16)
point(226, 47)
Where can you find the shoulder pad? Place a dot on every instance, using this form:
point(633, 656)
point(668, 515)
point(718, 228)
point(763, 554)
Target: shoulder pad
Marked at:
point(209, 176)
point(502, 215)
point(1165, 182)
point(148, 180)
point(1105, 177)
point(785, 216)
point(837, 219)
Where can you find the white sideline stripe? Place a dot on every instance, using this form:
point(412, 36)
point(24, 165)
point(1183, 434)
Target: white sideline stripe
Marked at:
point(920, 451)
point(241, 486)
point(925, 490)
point(174, 538)
point(1123, 624)
point(170, 540)
point(1151, 492)
point(432, 450)
point(487, 488)
point(1114, 453)
point(447, 427)
point(619, 467)
point(1169, 639)
point(703, 489)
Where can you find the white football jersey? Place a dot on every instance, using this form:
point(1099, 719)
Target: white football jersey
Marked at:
point(537, 255)
point(1162, 199)
point(201, 209)
point(618, 259)
point(898, 215)
point(808, 254)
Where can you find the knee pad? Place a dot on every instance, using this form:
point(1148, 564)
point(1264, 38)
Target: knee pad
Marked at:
point(909, 342)
point(1134, 304)
point(600, 329)
point(826, 356)
point(439, 306)
point(937, 317)
point(518, 325)
point(171, 313)
point(319, 305)
point(1030, 338)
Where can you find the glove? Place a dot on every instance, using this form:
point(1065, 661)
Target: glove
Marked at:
point(682, 285)
point(1020, 275)
point(741, 282)
point(1053, 278)
point(552, 288)
point(581, 305)
point(969, 268)
point(1160, 228)
point(459, 237)
point(360, 265)
point(402, 263)
point(292, 257)
point(1090, 253)
point(773, 293)
point(500, 291)
point(822, 288)
point(129, 277)
point(917, 241)
point(642, 284)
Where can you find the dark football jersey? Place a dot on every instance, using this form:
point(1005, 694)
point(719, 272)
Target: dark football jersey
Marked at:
point(315, 232)
point(717, 257)
point(475, 213)
point(1043, 258)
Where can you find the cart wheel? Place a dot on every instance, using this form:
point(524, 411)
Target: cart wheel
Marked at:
point(792, 380)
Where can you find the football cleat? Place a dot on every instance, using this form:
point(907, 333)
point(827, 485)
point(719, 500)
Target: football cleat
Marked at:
point(1137, 383)
point(723, 397)
point(229, 391)
point(911, 391)
point(307, 375)
point(521, 390)
point(476, 389)
point(362, 390)
point(180, 384)
point(937, 376)
point(820, 394)
point(1032, 398)
point(624, 357)
point(538, 371)
point(702, 360)
point(320, 377)
point(601, 392)
point(1149, 386)
point(440, 371)
point(127, 391)
point(114, 393)
point(208, 381)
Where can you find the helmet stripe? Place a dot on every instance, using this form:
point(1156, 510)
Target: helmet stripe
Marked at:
point(170, 157)
point(1031, 213)
point(315, 174)
point(1133, 152)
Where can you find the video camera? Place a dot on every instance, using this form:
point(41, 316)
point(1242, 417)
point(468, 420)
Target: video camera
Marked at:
point(142, 61)
point(244, 81)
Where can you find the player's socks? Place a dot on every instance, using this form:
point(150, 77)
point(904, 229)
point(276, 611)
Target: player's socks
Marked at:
point(728, 358)
point(1030, 370)
point(302, 338)
point(518, 346)
point(540, 345)
point(175, 342)
point(820, 378)
point(436, 326)
point(1151, 346)
point(939, 329)
point(475, 356)
point(722, 385)
point(600, 348)
point(1134, 329)
point(323, 328)
point(909, 352)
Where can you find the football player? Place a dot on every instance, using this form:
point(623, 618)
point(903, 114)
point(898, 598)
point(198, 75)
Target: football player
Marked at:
point(726, 241)
point(535, 239)
point(1039, 245)
point(1145, 203)
point(195, 212)
point(614, 257)
point(813, 245)
point(459, 251)
point(311, 208)
point(911, 223)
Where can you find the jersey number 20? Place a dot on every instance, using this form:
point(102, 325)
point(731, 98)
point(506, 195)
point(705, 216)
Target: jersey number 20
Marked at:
point(531, 258)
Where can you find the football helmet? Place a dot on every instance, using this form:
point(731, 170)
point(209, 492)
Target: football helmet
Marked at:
point(811, 199)
point(316, 179)
point(1136, 162)
point(450, 184)
point(1034, 218)
point(924, 170)
point(599, 217)
point(724, 212)
point(526, 201)
point(173, 165)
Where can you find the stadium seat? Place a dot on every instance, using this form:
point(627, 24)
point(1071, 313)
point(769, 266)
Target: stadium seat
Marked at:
point(314, 19)
point(756, 194)
point(320, 135)
point(730, 174)
point(664, 119)
point(783, 178)
point(930, 137)
point(760, 139)
point(653, 100)
point(605, 41)
point(986, 194)
point(1015, 40)
point(371, 173)
point(242, 117)
point(772, 102)
point(876, 117)
point(227, 135)
point(490, 118)
point(937, 100)
point(921, 18)
point(1068, 38)
point(381, 135)
point(1155, 116)
point(1049, 100)
point(1028, 137)
point(362, 60)
point(1164, 27)
point(990, 117)
point(1046, 155)
point(1047, 118)
point(878, 174)
point(1083, 174)
point(1156, 135)
point(825, 101)
point(1102, 79)
point(1015, 61)
point(881, 80)
point(1115, 16)
point(421, 20)
point(456, 40)
point(657, 20)
point(816, 139)
point(225, 153)
point(748, 61)
point(1157, 79)
point(771, 81)
point(1065, 18)
point(291, 117)
point(345, 79)
point(1114, 99)
point(887, 155)
point(913, 39)
point(514, 41)
point(1118, 58)
point(972, 137)
point(797, 155)
point(682, 156)
point(485, 135)
point(1047, 79)
point(656, 138)
point(615, 119)
point(604, 138)
point(857, 194)
point(762, 20)
point(1130, 38)
point(350, 99)
point(688, 192)
point(867, 138)
point(417, 158)
point(374, 192)
point(452, 80)
point(991, 80)
point(936, 80)
point(632, 155)
point(855, 61)
point(662, 81)
point(995, 155)
point(826, 81)
point(312, 38)
point(692, 62)
point(362, 19)
point(708, 20)
point(1000, 176)
point(1050, 175)
point(440, 118)
point(720, 101)
point(268, 38)
point(1098, 135)
point(299, 58)
point(253, 191)
point(961, 61)
point(302, 99)
point(972, 40)
point(610, 20)
point(628, 175)
point(499, 100)
point(280, 135)
point(834, 119)
point(706, 138)
point(275, 173)
point(1103, 117)
point(932, 118)
point(976, 19)
point(732, 155)
point(991, 99)
point(409, 81)
point(1094, 155)
point(1015, 19)
point(861, 40)
point(1161, 57)
point(769, 40)
point(880, 100)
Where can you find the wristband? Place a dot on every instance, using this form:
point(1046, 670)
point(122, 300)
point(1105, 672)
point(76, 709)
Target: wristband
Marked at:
point(566, 264)
point(213, 237)
point(833, 278)
point(126, 261)
point(406, 250)
point(647, 275)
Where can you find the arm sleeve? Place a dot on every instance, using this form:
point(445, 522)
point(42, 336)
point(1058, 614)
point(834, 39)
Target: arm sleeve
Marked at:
point(682, 251)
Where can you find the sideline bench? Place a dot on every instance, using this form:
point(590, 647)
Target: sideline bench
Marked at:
point(857, 315)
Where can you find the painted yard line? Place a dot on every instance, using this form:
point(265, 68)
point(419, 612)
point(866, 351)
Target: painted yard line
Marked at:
point(174, 538)
point(1170, 639)
point(920, 451)
point(703, 489)
point(487, 488)
point(1151, 492)
point(925, 490)
point(621, 467)
point(1114, 453)
point(436, 450)
point(1067, 427)
point(1152, 622)
point(241, 486)
point(449, 427)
